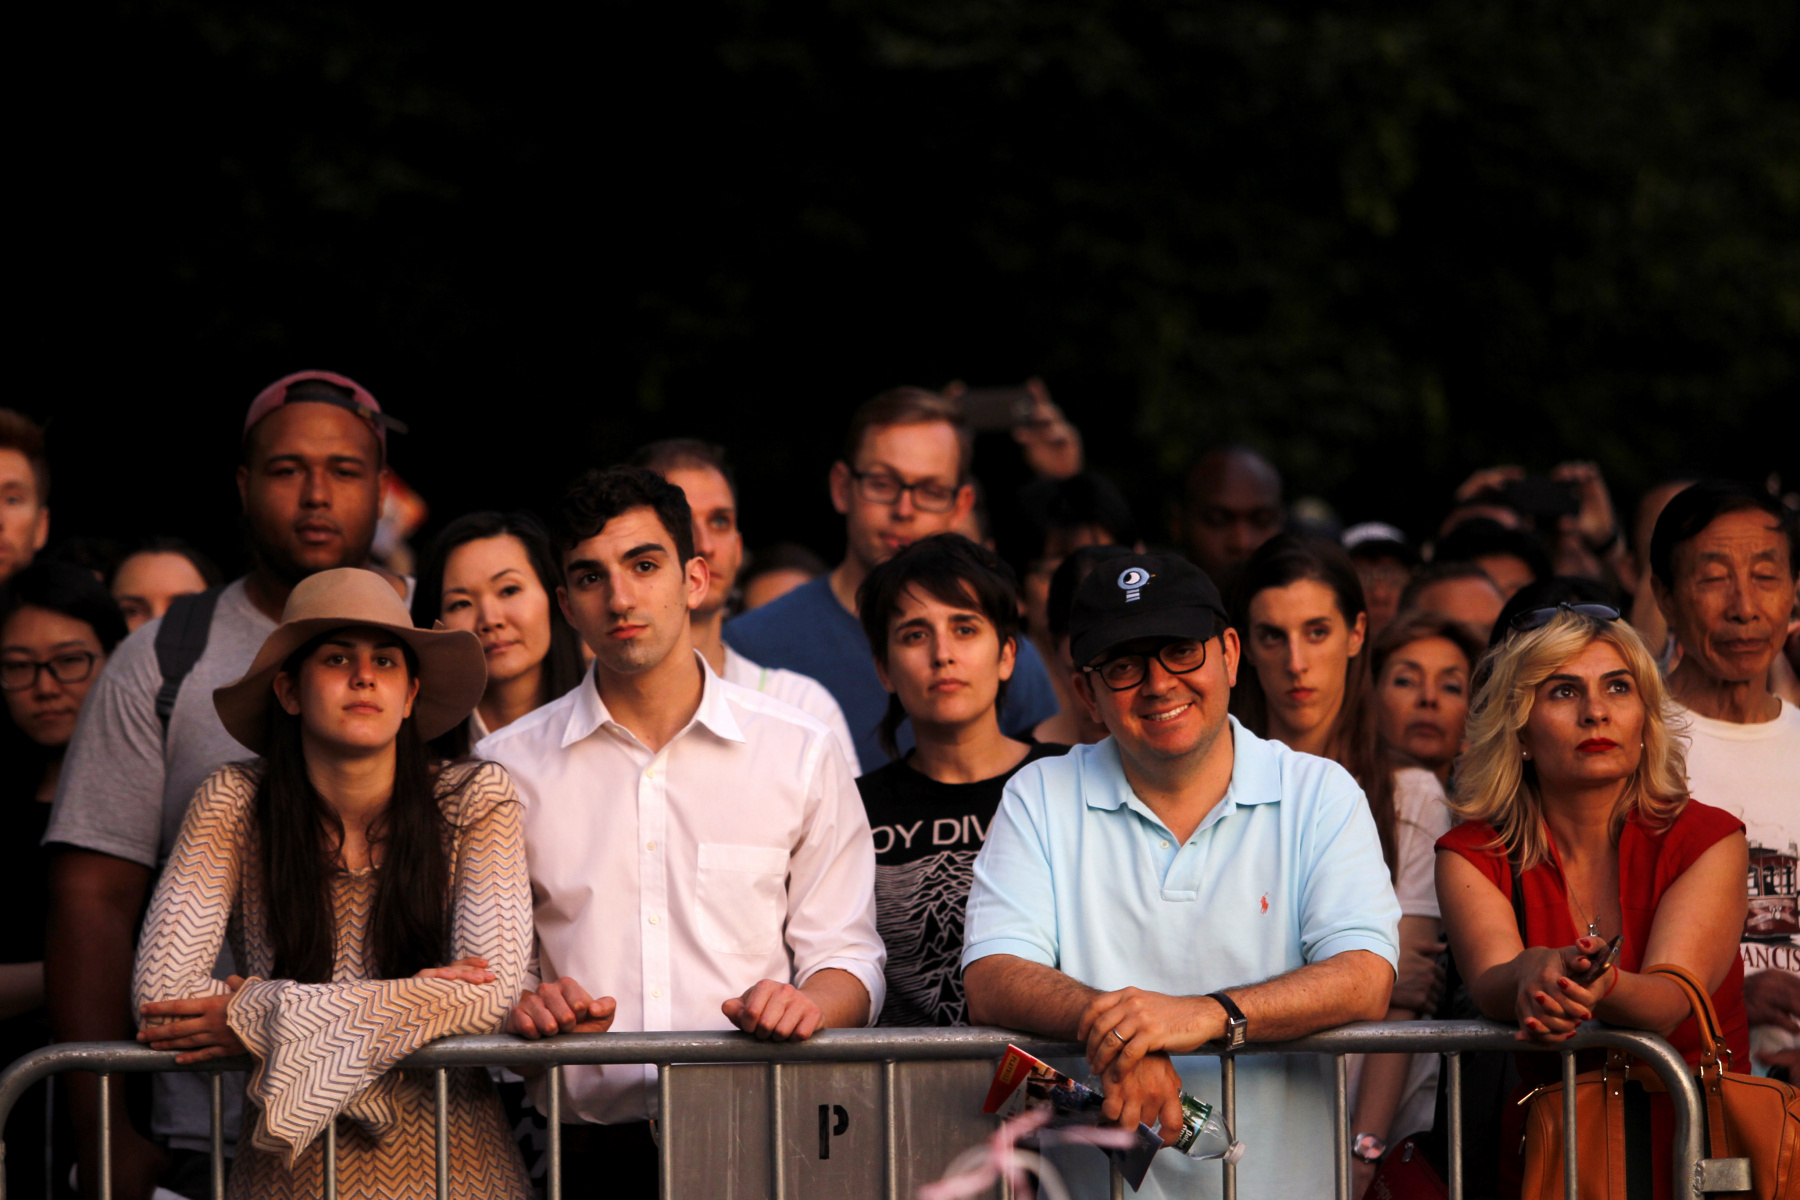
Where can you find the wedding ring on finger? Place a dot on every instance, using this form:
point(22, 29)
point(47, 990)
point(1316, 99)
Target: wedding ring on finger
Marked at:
point(1122, 1040)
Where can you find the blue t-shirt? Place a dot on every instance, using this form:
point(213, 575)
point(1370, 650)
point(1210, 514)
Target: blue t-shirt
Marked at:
point(808, 631)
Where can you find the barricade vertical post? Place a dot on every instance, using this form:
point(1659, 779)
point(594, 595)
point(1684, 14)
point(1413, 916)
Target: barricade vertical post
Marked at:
point(890, 1132)
point(777, 1159)
point(553, 1089)
point(1116, 1187)
point(1453, 1064)
point(1568, 1117)
point(441, 1089)
point(665, 1153)
point(105, 1136)
point(1340, 1125)
point(331, 1160)
point(1228, 1109)
point(216, 1098)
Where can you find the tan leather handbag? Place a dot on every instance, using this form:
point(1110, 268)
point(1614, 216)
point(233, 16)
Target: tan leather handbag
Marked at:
point(1746, 1117)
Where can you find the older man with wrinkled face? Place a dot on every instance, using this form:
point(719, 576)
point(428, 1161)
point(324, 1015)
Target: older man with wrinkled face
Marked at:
point(1723, 562)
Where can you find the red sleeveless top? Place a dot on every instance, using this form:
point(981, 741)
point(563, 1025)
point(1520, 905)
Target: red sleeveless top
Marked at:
point(1649, 862)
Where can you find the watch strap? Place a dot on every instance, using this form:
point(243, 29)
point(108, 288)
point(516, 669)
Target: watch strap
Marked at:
point(1237, 1025)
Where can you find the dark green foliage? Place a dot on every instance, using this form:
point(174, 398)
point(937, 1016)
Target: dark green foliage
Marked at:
point(1388, 243)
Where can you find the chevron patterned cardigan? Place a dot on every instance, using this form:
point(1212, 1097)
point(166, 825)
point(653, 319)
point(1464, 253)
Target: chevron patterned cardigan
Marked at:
point(325, 1050)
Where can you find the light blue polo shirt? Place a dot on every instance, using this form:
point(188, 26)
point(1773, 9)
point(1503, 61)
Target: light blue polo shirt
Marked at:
point(1078, 874)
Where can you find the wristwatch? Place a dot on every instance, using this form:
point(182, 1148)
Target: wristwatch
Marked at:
point(1237, 1025)
point(1368, 1147)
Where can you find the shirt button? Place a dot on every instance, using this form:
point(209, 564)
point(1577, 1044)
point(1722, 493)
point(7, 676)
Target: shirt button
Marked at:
point(1164, 843)
point(654, 920)
point(656, 993)
point(649, 845)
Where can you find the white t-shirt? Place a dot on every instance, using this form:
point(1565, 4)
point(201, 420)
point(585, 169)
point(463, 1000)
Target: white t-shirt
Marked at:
point(1753, 772)
point(802, 691)
point(1422, 816)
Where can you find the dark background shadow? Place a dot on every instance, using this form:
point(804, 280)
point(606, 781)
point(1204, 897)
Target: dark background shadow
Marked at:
point(1387, 243)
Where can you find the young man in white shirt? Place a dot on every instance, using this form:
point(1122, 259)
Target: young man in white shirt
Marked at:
point(699, 855)
point(702, 472)
point(1723, 563)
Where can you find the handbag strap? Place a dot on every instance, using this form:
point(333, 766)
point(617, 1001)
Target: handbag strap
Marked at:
point(1712, 1037)
point(1711, 1069)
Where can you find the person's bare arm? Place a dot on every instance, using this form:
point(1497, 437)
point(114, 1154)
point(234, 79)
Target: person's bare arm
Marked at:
point(1016, 993)
point(1121, 1027)
point(21, 988)
point(95, 902)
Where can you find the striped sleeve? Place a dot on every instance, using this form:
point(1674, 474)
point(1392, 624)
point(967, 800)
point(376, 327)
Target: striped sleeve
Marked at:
point(322, 1046)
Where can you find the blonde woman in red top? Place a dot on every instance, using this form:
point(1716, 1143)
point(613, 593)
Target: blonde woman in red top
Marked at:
point(1574, 772)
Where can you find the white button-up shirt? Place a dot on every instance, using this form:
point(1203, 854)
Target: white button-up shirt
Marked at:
point(673, 881)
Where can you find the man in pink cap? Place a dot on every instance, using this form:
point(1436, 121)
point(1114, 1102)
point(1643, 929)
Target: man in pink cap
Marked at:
point(309, 480)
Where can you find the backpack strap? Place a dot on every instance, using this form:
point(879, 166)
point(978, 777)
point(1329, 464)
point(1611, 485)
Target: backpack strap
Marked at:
point(180, 641)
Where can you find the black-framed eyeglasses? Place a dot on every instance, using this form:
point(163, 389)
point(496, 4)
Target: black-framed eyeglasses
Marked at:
point(880, 487)
point(1128, 670)
point(18, 674)
point(1537, 618)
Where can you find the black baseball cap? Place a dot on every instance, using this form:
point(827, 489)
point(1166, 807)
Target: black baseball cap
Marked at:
point(1142, 596)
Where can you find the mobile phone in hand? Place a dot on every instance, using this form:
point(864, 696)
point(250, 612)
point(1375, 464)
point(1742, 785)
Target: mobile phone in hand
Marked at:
point(1601, 963)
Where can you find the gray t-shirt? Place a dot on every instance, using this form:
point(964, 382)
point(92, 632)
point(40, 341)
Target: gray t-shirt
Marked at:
point(123, 793)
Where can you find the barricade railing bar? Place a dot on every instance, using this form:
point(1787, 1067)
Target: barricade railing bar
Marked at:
point(888, 1047)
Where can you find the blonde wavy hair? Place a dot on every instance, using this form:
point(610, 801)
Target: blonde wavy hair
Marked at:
point(1494, 783)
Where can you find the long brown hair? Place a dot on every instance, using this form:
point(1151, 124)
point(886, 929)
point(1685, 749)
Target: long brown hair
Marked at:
point(1288, 558)
point(409, 925)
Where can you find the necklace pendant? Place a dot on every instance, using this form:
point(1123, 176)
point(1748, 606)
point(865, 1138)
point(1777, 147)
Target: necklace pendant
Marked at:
point(1593, 929)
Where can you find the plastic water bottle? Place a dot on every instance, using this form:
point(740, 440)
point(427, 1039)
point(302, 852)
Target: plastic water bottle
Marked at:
point(1203, 1134)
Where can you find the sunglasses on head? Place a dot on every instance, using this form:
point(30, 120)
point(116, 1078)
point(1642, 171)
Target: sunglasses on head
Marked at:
point(1537, 618)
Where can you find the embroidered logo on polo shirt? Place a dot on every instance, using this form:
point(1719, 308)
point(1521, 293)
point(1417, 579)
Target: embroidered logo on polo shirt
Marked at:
point(1265, 902)
point(1132, 579)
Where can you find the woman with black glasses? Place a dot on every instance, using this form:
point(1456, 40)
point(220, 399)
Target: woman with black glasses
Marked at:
point(57, 625)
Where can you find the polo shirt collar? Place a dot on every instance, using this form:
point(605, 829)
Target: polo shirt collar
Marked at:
point(1255, 776)
point(589, 711)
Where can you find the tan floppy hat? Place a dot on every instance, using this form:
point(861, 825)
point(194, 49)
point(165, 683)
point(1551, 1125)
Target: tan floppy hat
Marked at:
point(452, 667)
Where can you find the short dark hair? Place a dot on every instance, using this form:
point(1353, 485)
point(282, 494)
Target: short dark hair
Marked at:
point(70, 590)
point(1692, 509)
point(672, 454)
point(910, 406)
point(1548, 593)
point(783, 556)
point(951, 568)
point(1479, 537)
point(1442, 572)
point(1079, 564)
point(1089, 499)
point(1408, 628)
point(600, 495)
point(161, 544)
point(19, 432)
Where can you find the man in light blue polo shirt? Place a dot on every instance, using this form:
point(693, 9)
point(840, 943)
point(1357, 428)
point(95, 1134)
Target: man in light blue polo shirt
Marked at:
point(1182, 882)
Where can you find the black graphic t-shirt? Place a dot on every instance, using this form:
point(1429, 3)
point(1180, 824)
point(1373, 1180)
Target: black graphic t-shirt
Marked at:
point(927, 835)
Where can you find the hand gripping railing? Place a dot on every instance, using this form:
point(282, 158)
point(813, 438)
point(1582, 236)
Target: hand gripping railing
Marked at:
point(1692, 1174)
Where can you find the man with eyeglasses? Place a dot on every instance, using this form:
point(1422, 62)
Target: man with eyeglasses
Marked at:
point(903, 476)
point(1183, 882)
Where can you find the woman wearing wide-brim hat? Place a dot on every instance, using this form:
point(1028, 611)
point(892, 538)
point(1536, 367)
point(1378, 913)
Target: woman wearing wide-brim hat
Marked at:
point(373, 907)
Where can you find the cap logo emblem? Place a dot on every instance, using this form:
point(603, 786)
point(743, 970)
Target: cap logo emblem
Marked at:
point(1132, 580)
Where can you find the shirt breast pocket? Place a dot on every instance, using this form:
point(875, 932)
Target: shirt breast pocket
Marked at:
point(738, 897)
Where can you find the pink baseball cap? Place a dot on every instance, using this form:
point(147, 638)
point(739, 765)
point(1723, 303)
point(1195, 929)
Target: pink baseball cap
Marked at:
point(322, 387)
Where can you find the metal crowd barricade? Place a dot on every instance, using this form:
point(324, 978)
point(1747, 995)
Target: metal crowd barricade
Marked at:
point(926, 1085)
